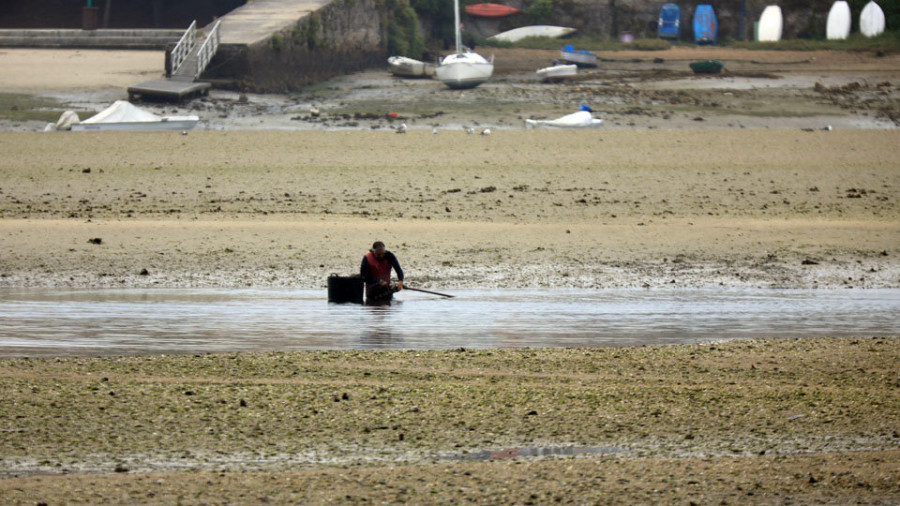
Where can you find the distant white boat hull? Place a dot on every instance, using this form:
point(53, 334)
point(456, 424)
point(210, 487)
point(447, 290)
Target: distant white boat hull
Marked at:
point(771, 23)
point(402, 66)
point(523, 32)
point(838, 24)
point(580, 119)
point(871, 20)
point(558, 72)
point(465, 70)
point(169, 123)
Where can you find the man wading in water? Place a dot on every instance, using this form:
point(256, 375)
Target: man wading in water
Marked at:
point(376, 272)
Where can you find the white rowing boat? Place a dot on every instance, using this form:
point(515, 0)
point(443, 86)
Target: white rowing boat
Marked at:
point(559, 72)
point(402, 66)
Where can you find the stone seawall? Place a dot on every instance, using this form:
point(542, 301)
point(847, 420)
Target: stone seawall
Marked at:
point(349, 35)
point(342, 37)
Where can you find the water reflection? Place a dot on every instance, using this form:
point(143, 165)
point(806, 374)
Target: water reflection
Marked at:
point(377, 330)
point(107, 322)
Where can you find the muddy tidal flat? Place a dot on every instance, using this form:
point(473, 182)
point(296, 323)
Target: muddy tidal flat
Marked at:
point(802, 421)
point(518, 209)
point(779, 174)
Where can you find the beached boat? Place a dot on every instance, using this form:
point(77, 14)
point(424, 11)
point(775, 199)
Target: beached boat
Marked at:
point(558, 72)
point(837, 26)
point(523, 32)
point(871, 20)
point(491, 10)
point(402, 66)
point(669, 25)
point(706, 26)
point(582, 58)
point(464, 68)
point(123, 115)
point(770, 25)
point(707, 66)
point(582, 119)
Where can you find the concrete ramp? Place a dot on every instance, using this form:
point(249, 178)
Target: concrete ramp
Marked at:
point(258, 20)
point(347, 36)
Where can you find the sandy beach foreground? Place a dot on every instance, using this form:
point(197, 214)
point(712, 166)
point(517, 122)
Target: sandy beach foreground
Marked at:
point(774, 421)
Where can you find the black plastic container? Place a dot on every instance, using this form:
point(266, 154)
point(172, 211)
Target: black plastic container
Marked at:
point(345, 289)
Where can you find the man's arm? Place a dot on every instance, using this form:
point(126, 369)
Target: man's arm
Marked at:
point(396, 265)
point(364, 270)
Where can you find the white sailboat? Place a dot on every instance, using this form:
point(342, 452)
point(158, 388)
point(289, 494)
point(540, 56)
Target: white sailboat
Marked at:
point(464, 68)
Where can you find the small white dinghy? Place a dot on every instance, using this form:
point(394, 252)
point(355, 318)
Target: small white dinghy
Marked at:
point(557, 72)
point(402, 66)
point(581, 119)
point(123, 115)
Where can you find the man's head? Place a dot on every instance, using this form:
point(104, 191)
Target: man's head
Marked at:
point(379, 249)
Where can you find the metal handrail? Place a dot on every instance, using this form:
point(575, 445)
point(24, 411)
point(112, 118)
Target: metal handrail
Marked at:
point(208, 49)
point(184, 46)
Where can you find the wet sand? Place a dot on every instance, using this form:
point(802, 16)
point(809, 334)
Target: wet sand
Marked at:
point(665, 201)
point(774, 421)
point(514, 209)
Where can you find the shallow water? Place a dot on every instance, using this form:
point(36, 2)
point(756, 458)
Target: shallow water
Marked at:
point(62, 322)
point(532, 451)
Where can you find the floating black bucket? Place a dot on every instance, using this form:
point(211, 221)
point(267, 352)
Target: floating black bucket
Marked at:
point(345, 289)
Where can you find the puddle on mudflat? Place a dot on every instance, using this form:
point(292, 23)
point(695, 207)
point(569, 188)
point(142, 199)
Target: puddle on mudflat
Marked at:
point(533, 451)
point(54, 322)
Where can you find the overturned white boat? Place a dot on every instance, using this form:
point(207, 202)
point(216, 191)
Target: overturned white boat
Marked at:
point(402, 66)
point(523, 32)
point(557, 72)
point(464, 68)
point(123, 115)
point(581, 119)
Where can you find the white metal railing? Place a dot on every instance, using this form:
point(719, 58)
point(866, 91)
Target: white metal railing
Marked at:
point(208, 49)
point(184, 46)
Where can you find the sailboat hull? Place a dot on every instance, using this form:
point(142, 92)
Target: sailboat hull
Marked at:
point(466, 70)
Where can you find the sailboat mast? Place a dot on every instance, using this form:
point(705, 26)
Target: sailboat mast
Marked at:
point(456, 25)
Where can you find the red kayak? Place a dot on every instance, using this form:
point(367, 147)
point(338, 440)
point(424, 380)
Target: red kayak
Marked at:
point(491, 10)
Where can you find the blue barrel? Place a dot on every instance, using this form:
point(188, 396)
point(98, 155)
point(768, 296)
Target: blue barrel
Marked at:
point(345, 289)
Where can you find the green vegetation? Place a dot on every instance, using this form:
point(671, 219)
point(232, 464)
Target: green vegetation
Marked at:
point(539, 11)
point(277, 41)
point(440, 12)
point(889, 42)
point(591, 43)
point(403, 37)
point(21, 107)
point(307, 32)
